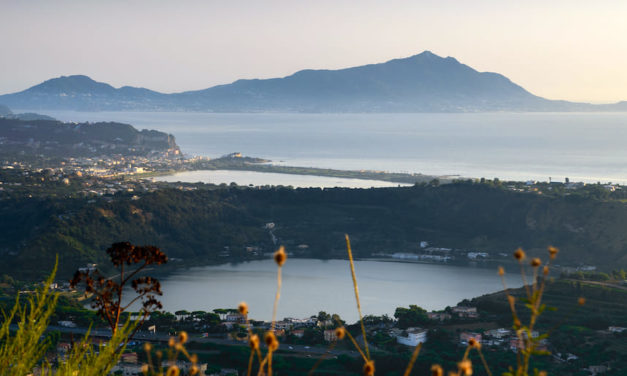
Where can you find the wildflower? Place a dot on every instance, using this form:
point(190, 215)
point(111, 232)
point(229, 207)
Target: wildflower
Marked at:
point(543, 373)
point(581, 301)
point(280, 256)
point(242, 308)
point(171, 342)
point(340, 333)
point(182, 337)
point(253, 342)
point(173, 371)
point(147, 347)
point(465, 367)
point(159, 354)
point(519, 254)
point(474, 343)
point(545, 270)
point(553, 252)
point(193, 370)
point(501, 271)
point(369, 368)
point(535, 262)
point(271, 341)
point(436, 370)
point(144, 369)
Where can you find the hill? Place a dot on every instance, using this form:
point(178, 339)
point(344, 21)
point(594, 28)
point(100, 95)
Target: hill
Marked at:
point(52, 138)
point(420, 83)
point(199, 223)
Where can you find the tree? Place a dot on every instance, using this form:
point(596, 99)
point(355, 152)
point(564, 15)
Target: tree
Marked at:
point(107, 293)
point(412, 316)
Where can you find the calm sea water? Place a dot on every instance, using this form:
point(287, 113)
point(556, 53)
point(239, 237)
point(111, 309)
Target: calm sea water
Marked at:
point(520, 146)
point(310, 286)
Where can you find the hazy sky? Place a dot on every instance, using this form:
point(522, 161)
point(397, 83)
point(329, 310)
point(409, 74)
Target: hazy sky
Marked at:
point(571, 49)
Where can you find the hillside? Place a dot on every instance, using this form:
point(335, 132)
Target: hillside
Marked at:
point(420, 83)
point(51, 138)
point(197, 225)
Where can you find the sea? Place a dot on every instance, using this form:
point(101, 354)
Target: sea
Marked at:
point(588, 147)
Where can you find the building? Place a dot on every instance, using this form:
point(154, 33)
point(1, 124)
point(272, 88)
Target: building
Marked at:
point(466, 312)
point(329, 335)
point(464, 337)
point(440, 316)
point(412, 336)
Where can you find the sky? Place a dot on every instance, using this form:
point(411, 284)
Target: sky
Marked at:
point(560, 49)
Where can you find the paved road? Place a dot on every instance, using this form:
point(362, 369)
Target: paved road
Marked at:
point(298, 350)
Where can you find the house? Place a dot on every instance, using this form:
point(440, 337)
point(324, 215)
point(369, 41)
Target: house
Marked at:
point(616, 329)
point(499, 333)
point(464, 337)
point(300, 333)
point(329, 335)
point(464, 311)
point(235, 317)
point(129, 358)
point(440, 316)
point(413, 337)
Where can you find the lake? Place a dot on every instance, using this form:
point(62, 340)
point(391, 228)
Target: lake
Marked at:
point(310, 286)
point(518, 146)
point(268, 178)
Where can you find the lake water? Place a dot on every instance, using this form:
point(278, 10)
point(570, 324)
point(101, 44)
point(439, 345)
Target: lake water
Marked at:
point(519, 146)
point(268, 178)
point(310, 286)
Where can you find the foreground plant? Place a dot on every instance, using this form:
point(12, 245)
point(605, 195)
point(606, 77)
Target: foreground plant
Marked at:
point(23, 350)
point(107, 293)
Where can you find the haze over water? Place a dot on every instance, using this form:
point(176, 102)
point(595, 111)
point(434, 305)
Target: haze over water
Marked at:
point(513, 146)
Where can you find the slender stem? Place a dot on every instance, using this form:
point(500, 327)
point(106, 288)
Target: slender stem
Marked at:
point(311, 371)
point(413, 359)
point(356, 346)
point(485, 364)
point(276, 298)
point(356, 288)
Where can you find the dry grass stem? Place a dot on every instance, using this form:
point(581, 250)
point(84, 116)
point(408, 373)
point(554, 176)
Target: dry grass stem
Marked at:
point(414, 356)
point(356, 288)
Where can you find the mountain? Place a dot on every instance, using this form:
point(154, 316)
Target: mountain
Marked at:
point(421, 83)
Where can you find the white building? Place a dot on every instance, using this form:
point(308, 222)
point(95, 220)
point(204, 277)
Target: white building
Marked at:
point(413, 338)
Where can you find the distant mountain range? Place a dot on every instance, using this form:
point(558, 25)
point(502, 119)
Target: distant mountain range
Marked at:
point(421, 83)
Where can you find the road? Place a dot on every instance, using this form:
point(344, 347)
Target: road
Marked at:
point(142, 336)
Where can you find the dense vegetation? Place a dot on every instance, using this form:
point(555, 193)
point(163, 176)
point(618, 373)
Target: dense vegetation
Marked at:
point(197, 223)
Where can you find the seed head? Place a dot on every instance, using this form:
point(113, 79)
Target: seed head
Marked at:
point(242, 308)
point(542, 373)
point(145, 369)
point(517, 323)
point(581, 301)
point(340, 333)
point(270, 339)
point(553, 252)
point(535, 262)
point(545, 270)
point(501, 270)
point(436, 370)
point(519, 254)
point(171, 342)
point(193, 370)
point(159, 353)
point(465, 367)
point(369, 368)
point(173, 371)
point(253, 342)
point(147, 347)
point(280, 256)
point(182, 337)
point(472, 342)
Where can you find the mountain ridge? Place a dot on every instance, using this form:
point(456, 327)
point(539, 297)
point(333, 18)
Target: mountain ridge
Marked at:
point(424, 82)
